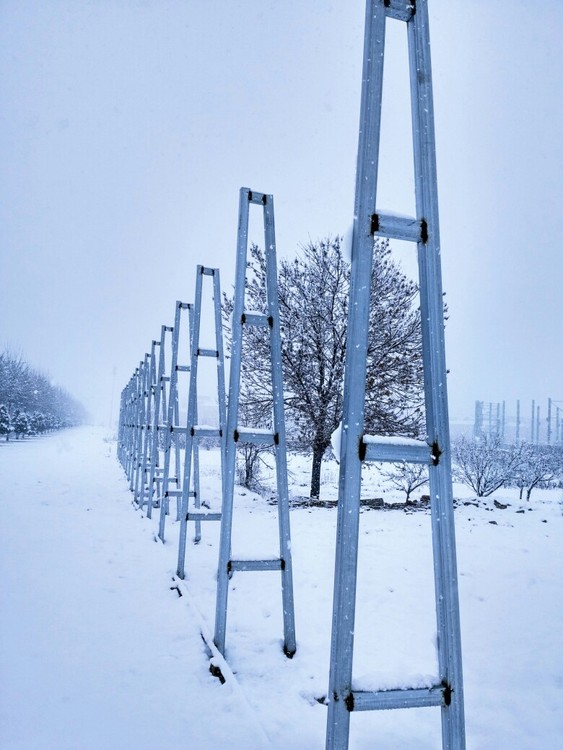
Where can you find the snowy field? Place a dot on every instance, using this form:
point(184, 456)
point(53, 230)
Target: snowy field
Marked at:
point(100, 652)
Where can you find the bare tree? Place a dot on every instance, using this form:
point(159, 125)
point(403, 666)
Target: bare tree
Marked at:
point(313, 296)
point(539, 464)
point(406, 477)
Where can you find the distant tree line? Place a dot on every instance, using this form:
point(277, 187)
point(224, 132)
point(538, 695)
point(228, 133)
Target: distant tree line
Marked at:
point(29, 403)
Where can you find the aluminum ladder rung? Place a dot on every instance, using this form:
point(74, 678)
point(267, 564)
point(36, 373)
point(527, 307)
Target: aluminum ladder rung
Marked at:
point(182, 368)
point(255, 319)
point(256, 565)
point(254, 435)
point(392, 449)
point(203, 515)
point(173, 493)
point(383, 700)
point(208, 353)
point(203, 431)
point(397, 227)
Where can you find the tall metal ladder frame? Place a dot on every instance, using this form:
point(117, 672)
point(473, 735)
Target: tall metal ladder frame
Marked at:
point(141, 440)
point(173, 427)
point(142, 488)
point(158, 422)
point(126, 421)
point(356, 447)
point(235, 432)
point(134, 426)
point(193, 431)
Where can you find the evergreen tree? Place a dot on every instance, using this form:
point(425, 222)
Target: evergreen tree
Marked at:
point(21, 425)
point(4, 421)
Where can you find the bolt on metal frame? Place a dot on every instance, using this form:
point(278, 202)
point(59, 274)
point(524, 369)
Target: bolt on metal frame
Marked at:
point(193, 431)
point(356, 447)
point(236, 432)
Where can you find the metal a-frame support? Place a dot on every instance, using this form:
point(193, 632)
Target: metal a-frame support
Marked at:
point(236, 432)
point(150, 392)
point(172, 429)
point(146, 381)
point(356, 447)
point(158, 422)
point(194, 432)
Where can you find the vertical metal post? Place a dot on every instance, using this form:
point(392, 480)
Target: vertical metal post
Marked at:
point(158, 419)
point(236, 432)
point(172, 419)
point(448, 693)
point(147, 425)
point(194, 432)
point(518, 421)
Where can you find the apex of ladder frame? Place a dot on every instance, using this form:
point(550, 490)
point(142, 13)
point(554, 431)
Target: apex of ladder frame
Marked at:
point(256, 197)
point(401, 10)
point(206, 271)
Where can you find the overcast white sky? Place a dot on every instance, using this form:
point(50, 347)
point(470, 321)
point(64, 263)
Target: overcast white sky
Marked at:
point(127, 128)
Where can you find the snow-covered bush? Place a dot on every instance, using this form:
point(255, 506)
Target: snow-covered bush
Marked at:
point(486, 464)
point(539, 465)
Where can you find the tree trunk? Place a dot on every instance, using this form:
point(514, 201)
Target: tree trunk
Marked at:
point(318, 453)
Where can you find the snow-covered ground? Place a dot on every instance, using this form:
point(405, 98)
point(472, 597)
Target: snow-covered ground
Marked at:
point(99, 651)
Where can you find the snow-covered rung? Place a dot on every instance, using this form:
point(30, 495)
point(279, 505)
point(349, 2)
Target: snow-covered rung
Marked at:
point(203, 515)
point(207, 353)
point(254, 435)
point(397, 227)
point(255, 319)
point(403, 698)
point(273, 564)
point(182, 368)
point(204, 430)
point(380, 448)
